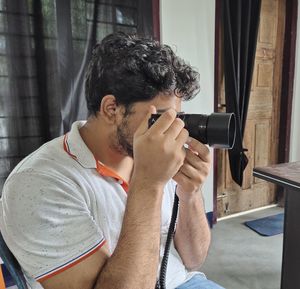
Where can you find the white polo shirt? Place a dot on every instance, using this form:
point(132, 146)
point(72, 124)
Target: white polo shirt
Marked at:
point(60, 205)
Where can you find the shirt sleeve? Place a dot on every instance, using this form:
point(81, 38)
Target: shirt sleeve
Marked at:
point(47, 224)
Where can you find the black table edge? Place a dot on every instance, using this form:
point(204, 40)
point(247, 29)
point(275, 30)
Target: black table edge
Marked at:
point(276, 180)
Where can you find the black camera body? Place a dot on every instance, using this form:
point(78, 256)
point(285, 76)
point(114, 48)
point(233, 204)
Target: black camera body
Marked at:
point(218, 130)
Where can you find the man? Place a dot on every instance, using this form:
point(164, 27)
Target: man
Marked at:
point(91, 209)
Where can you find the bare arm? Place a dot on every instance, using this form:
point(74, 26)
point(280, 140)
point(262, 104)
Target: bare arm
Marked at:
point(192, 236)
point(134, 263)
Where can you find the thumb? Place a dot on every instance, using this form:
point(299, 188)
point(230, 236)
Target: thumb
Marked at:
point(143, 127)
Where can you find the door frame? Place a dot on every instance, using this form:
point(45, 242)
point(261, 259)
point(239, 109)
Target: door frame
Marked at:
point(288, 71)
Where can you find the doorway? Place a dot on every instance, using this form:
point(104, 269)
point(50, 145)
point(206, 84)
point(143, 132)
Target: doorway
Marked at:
point(264, 122)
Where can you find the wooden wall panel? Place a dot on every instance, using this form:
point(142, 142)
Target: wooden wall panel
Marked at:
point(265, 75)
point(261, 133)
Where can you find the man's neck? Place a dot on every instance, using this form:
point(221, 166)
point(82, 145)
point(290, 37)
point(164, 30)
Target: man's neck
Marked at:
point(98, 140)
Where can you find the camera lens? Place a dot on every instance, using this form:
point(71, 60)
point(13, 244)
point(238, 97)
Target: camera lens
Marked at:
point(217, 129)
point(221, 130)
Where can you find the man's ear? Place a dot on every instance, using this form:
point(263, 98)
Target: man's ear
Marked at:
point(108, 108)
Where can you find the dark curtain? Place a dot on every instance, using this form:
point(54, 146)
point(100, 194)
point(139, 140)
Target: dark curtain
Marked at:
point(240, 24)
point(45, 46)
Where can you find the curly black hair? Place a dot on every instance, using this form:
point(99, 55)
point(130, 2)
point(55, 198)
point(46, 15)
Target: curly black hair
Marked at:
point(136, 69)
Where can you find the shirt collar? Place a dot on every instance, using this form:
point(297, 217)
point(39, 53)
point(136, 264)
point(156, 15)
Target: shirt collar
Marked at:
point(76, 147)
point(78, 150)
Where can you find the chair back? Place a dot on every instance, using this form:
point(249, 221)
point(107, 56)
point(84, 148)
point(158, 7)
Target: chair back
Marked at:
point(12, 265)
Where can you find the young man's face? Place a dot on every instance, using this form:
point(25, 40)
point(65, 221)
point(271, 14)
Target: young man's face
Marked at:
point(122, 140)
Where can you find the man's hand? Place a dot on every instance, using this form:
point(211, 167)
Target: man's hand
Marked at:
point(194, 170)
point(158, 152)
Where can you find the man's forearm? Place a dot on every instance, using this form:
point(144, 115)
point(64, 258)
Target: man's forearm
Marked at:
point(134, 263)
point(192, 237)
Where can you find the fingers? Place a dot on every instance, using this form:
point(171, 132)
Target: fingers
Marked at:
point(169, 125)
point(190, 178)
point(197, 174)
point(175, 128)
point(182, 137)
point(193, 172)
point(195, 160)
point(163, 122)
point(201, 149)
point(186, 183)
point(144, 124)
point(194, 166)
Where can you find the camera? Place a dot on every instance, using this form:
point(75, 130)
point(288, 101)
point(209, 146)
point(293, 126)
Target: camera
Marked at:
point(217, 129)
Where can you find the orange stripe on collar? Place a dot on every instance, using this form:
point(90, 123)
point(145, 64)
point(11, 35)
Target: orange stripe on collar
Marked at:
point(107, 172)
point(101, 168)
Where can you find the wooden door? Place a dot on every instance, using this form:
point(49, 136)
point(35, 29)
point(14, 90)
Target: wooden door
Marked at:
point(262, 127)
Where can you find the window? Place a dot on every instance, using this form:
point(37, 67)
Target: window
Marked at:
point(44, 48)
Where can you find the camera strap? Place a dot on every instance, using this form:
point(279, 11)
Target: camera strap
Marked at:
point(161, 282)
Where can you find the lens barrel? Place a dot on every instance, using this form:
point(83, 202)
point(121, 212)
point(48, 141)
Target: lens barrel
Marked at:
point(218, 130)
